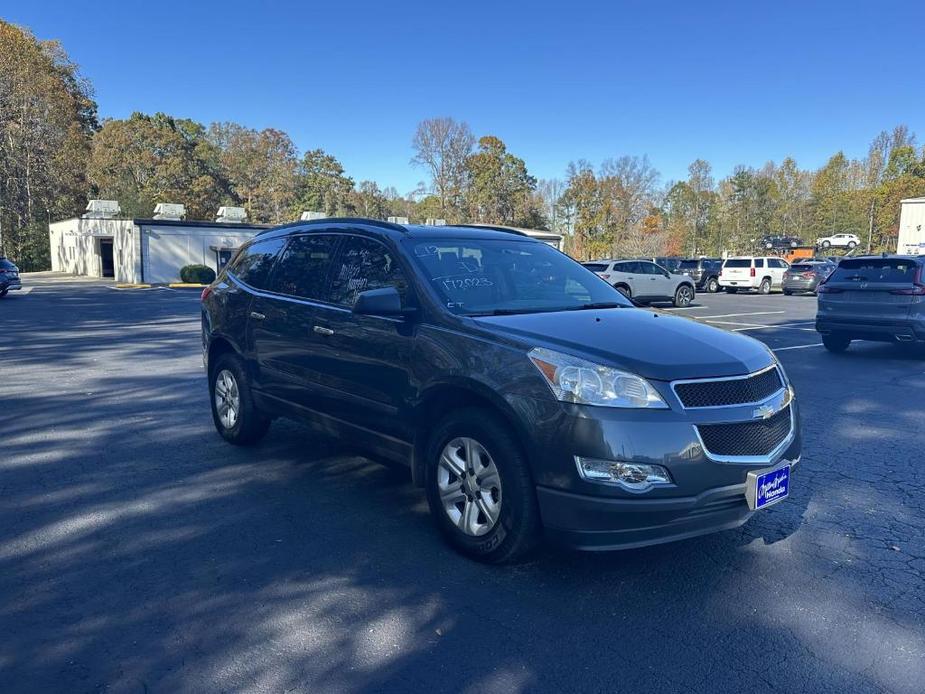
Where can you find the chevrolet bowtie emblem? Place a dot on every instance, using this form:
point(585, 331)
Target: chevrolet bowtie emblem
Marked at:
point(763, 412)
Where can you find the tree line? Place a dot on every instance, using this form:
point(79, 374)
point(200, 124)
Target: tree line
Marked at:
point(55, 154)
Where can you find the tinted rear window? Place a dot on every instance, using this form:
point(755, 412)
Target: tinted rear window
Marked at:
point(689, 264)
point(596, 267)
point(252, 265)
point(802, 268)
point(738, 262)
point(878, 270)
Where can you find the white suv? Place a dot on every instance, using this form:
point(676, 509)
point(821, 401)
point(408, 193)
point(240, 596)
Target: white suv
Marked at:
point(644, 281)
point(839, 241)
point(764, 274)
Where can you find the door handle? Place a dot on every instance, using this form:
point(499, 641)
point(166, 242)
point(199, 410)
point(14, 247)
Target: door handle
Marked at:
point(257, 316)
point(323, 331)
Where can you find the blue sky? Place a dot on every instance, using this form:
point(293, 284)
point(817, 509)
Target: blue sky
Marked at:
point(733, 82)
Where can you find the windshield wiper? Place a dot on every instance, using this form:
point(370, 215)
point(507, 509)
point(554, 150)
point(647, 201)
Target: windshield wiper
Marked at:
point(596, 305)
point(502, 312)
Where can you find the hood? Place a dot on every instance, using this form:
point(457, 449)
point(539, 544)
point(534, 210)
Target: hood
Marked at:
point(648, 343)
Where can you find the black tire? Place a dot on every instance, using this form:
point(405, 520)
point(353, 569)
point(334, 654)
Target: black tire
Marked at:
point(826, 244)
point(712, 285)
point(852, 245)
point(732, 290)
point(250, 424)
point(683, 295)
point(836, 343)
point(787, 292)
point(625, 290)
point(765, 286)
point(4, 292)
point(517, 530)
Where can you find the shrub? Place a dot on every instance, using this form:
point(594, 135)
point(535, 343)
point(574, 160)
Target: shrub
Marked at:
point(197, 274)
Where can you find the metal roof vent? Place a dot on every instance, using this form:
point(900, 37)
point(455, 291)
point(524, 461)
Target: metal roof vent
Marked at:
point(102, 209)
point(231, 215)
point(435, 222)
point(398, 220)
point(169, 210)
point(308, 215)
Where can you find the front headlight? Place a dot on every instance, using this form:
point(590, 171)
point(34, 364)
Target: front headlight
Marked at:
point(576, 380)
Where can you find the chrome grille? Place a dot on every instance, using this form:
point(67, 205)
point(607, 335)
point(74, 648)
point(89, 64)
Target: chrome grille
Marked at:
point(755, 438)
point(729, 392)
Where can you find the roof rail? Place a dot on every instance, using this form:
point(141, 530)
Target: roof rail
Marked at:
point(340, 220)
point(491, 227)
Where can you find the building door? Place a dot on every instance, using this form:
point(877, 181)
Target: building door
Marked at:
point(107, 267)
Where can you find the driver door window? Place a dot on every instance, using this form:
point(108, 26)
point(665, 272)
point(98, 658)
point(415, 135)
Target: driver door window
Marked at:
point(361, 265)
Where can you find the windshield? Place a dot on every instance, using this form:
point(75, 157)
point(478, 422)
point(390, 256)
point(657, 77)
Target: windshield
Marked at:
point(492, 276)
point(877, 270)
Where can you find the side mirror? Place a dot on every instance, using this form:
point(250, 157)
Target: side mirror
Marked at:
point(378, 302)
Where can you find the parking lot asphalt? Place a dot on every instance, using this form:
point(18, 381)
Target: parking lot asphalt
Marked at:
point(139, 552)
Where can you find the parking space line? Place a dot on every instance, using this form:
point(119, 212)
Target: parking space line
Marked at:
point(735, 315)
point(687, 308)
point(773, 327)
point(784, 349)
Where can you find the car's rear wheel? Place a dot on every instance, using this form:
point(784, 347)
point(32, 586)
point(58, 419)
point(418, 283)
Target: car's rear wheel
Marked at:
point(765, 286)
point(479, 488)
point(852, 245)
point(712, 285)
point(683, 296)
point(836, 343)
point(234, 413)
point(625, 291)
point(826, 244)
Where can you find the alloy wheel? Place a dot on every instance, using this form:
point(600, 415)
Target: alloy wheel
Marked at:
point(469, 486)
point(684, 295)
point(227, 398)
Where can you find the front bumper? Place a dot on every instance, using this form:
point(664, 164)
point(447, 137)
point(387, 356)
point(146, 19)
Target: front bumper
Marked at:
point(12, 285)
point(708, 494)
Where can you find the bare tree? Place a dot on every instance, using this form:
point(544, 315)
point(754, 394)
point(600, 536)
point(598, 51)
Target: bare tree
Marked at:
point(442, 146)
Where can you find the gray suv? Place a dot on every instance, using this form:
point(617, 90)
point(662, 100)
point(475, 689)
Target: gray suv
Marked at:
point(644, 281)
point(879, 298)
point(527, 396)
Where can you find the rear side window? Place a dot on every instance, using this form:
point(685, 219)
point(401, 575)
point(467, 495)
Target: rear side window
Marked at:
point(759, 262)
point(364, 264)
point(596, 267)
point(302, 271)
point(253, 264)
point(876, 270)
point(738, 262)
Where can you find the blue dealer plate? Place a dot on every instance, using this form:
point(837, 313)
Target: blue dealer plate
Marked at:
point(768, 487)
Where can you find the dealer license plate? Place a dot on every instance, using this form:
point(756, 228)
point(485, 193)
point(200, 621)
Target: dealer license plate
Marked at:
point(766, 487)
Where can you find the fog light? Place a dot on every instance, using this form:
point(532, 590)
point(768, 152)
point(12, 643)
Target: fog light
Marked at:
point(635, 477)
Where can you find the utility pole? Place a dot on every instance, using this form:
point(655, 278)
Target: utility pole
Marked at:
point(870, 227)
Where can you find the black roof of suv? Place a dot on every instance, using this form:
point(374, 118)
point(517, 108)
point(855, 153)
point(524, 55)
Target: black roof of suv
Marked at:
point(523, 391)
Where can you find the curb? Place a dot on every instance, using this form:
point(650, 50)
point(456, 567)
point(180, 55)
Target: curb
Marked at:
point(187, 285)
point(133, 286)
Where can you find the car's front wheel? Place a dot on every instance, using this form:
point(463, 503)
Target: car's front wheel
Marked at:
point(683, 296)
point(836, 343)
point(479, 488)
point(826, 244)
point(234, 413)
point(852, 245)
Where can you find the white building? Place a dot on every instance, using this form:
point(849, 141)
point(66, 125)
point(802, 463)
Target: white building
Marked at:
point(144, 250)
point(911, 227)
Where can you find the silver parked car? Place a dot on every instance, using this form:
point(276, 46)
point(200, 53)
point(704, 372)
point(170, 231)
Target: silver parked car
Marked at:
point(644, 281)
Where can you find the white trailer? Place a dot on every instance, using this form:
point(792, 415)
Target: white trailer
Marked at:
point(911, 239)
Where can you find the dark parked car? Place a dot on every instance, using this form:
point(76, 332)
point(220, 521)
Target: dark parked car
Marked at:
point(9, 277)
point(805, 276)
point(878, 298)
point(779, 242)
point(526, 394)
point(703, 271)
